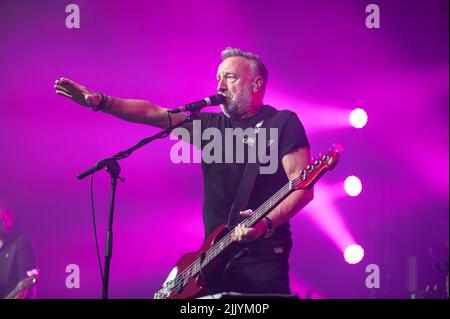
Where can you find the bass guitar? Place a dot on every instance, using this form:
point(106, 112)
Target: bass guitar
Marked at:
point(187, 279)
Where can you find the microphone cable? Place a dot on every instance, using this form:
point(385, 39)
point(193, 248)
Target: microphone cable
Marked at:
point(95, 229)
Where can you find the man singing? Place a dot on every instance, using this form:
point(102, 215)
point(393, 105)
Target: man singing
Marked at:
point(242, 79)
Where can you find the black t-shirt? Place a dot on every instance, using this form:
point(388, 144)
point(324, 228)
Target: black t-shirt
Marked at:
point(221, 180)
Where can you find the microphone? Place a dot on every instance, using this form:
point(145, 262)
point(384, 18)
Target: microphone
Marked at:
point(215, 99)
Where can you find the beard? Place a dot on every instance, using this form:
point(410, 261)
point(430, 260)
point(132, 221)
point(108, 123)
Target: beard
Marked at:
point(238, 104)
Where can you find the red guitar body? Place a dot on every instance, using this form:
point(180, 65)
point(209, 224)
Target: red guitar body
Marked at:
point(194, 286)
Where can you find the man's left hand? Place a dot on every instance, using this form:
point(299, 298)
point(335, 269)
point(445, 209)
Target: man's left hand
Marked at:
point(243, 234)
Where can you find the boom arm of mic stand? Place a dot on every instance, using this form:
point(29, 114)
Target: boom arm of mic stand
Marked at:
point(102, 163)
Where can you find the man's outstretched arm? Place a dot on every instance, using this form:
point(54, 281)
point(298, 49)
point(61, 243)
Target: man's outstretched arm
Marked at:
point(132, 110)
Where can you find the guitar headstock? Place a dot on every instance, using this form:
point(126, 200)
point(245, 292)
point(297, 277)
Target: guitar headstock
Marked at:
point(311, 173)
point(27, 283)
point(33, 276)
point(22, 288)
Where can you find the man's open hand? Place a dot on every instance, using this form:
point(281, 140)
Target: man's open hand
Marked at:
point(76, 92)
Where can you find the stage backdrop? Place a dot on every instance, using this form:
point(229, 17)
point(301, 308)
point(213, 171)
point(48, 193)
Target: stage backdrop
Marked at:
point(323, 62)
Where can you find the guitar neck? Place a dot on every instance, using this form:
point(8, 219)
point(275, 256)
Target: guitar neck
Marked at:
point(257, 215)
point(15, 293)
point(22, 287)
point(268, 205)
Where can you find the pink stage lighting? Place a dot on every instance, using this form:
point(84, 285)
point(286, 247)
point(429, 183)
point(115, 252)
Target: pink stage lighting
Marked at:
point(353, 254)
point(358, 118)
point(352, 186)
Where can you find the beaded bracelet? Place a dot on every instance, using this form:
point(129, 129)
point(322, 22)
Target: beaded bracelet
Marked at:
point(102, 105)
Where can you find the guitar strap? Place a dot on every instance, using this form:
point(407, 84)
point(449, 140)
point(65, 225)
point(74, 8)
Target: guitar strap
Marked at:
point(248, 179)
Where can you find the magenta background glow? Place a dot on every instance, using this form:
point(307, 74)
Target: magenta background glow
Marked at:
point(323, 62)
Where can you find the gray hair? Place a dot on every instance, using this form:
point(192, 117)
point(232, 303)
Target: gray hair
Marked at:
point(261, 69)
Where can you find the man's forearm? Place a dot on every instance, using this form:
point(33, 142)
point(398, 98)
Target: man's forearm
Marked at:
point(138, 111)
point(290, 206)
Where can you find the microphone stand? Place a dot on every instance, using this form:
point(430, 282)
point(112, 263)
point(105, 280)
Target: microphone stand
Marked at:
point(113, 168)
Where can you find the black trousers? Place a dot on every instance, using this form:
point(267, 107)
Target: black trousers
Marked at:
point(270, 277)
